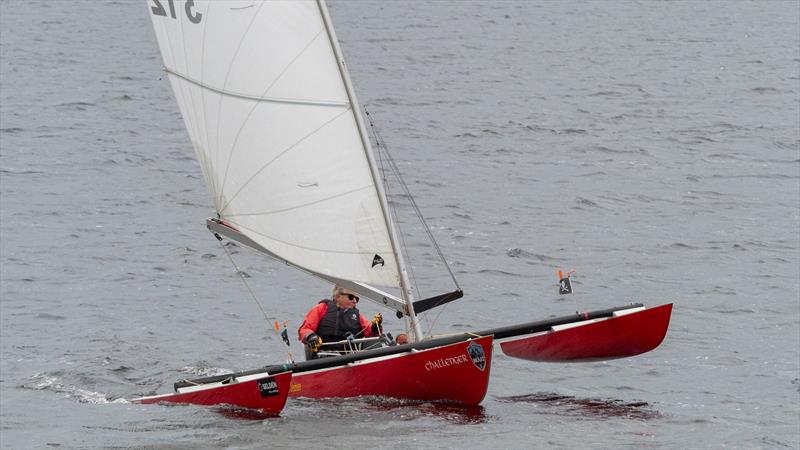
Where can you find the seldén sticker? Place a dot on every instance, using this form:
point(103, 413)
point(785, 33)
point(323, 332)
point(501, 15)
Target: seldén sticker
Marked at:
point(268, 387)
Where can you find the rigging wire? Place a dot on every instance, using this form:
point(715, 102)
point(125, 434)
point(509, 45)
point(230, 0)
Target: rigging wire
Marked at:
point(393, 211)
point(394, 169)
point(241, 274)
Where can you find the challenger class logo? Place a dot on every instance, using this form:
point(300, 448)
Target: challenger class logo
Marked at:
point(475, 352)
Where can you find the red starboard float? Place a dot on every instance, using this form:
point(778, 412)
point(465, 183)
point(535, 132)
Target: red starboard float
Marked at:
point(626, 332)
point(264, 392)
point(456, 373)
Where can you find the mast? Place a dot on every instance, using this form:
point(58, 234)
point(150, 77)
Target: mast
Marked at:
point(412, 323)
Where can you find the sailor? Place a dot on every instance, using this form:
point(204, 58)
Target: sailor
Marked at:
point(335, 320)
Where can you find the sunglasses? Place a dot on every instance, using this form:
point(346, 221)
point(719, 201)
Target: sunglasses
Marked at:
point(351, 297)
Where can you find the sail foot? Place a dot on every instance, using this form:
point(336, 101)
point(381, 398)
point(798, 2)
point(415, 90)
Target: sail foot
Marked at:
point(221, 228)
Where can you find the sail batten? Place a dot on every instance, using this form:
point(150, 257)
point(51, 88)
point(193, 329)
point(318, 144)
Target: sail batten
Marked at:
point(278, 211)
point(298, 101)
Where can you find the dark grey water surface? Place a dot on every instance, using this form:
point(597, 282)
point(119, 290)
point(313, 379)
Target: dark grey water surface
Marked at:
point(653, 147)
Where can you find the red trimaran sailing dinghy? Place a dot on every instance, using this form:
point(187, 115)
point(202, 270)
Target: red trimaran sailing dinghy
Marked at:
point(270, 109)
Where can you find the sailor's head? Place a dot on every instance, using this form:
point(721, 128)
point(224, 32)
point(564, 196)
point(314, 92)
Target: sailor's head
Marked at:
point(344, 298)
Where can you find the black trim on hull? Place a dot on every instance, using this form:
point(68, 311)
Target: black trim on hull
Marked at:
point(545, 325)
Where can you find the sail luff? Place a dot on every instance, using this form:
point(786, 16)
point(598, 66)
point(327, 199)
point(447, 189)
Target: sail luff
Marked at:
point(405, 285)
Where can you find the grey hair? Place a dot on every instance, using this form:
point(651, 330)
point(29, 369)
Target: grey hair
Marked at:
point(336, 291)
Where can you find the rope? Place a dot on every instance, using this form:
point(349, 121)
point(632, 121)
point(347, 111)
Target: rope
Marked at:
point(267, 318)
point(436, 319)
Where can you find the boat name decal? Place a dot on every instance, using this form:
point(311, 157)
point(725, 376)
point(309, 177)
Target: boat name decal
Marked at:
point(475, 352)
point(268, 387)
point(444, 362)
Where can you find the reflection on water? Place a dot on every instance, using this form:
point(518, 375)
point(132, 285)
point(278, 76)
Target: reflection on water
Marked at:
point(562, 405)
point(455, 414)
point(399, 409)
point(234, 412)
point(565, 405)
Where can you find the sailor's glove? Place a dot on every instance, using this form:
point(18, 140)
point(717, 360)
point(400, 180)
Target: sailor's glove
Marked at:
point(376, 323)
point(313, 341)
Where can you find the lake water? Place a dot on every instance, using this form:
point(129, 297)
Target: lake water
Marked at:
point(652, 147)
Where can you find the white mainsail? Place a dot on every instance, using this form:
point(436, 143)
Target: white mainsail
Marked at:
point(276, 134)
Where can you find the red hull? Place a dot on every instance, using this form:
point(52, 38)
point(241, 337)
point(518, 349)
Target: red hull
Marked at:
point(269, 398)
point(449, 373)
point(615, 337)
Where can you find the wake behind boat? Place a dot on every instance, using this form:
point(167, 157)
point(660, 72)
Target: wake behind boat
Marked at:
point(274, 120)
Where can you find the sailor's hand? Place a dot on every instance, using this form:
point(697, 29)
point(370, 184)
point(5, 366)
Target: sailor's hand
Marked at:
point(376, 324)
point(313, 341)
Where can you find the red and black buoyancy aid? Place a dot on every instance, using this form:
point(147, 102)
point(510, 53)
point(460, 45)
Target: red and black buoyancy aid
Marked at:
point(337, 322)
